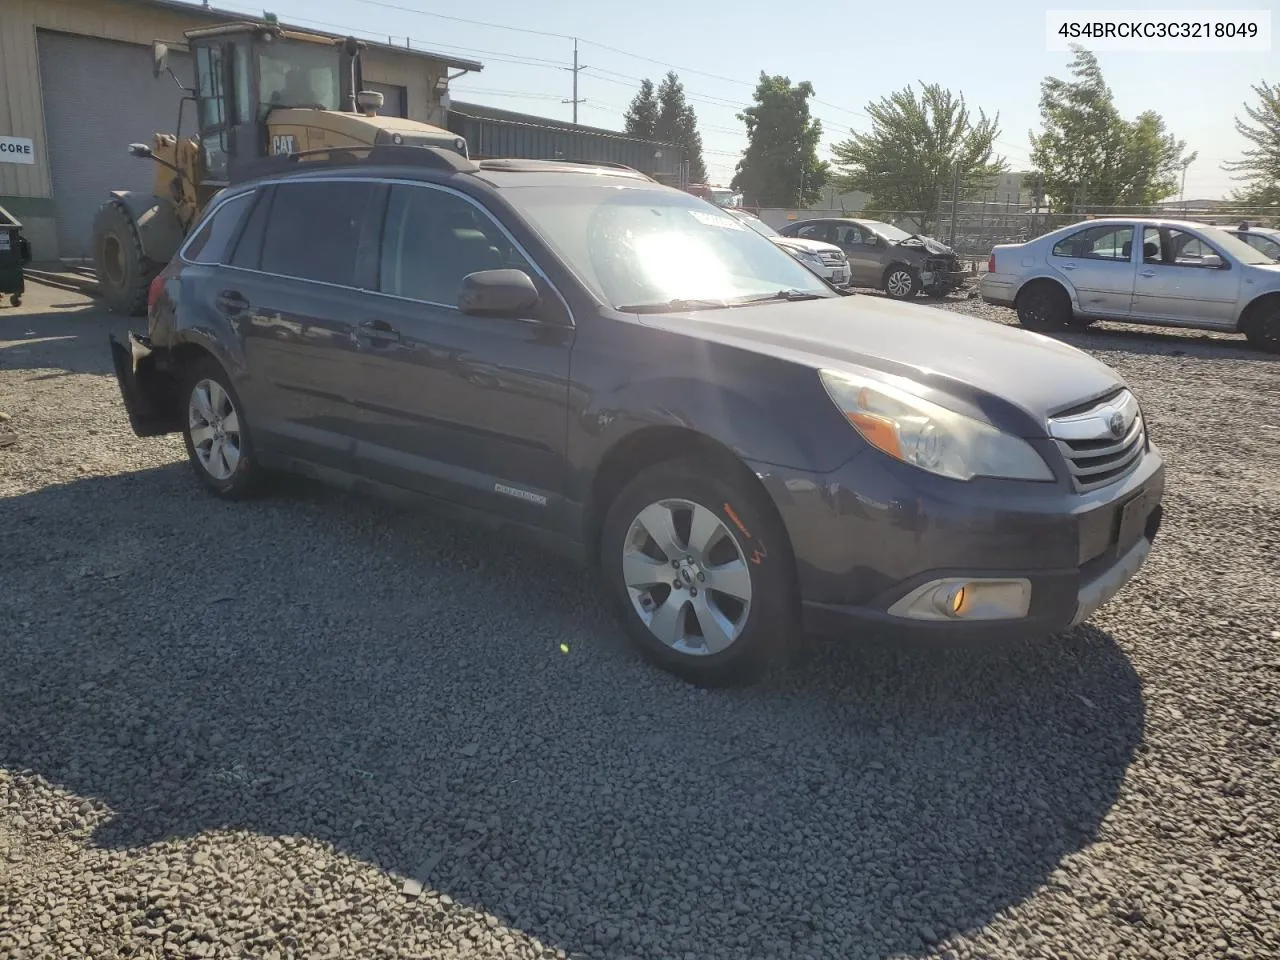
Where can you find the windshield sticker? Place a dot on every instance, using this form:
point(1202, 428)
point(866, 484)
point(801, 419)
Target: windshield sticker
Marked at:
point(716, 220)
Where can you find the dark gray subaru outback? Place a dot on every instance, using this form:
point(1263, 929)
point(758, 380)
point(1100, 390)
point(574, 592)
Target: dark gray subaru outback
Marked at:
point(629, 375)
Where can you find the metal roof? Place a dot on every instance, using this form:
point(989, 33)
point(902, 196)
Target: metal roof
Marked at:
point(483, 112)
point(230, 16)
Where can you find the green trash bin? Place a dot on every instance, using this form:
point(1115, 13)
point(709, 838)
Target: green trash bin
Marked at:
point(14, 252)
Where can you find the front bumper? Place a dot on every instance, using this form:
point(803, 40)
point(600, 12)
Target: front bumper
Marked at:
point(875, 531)
point(943, 278)
point(149, 394)
point(838, 276)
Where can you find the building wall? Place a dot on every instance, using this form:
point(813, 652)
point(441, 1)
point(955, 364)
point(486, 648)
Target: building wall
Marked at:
point(26, 190)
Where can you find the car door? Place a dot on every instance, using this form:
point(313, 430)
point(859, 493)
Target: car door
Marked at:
point(1099, 262)
point(1184, 279)
point(294, 292)
point(866, 260)
point(467, 409)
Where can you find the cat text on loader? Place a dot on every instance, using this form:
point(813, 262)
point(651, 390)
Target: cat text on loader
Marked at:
point(260, 91)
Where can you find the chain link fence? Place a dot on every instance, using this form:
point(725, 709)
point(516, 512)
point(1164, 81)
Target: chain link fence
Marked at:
point(980, 225)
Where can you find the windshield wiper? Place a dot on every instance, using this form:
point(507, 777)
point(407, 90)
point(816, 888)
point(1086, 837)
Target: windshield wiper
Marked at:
point(789, 295)
point(674, 305)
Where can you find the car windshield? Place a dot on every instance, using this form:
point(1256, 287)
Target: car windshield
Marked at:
point(299, 75)
point(648, 247)
point(1233, 245)
point(888, 231)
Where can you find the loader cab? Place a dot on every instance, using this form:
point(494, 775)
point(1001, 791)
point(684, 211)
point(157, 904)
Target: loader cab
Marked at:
point(244, 72)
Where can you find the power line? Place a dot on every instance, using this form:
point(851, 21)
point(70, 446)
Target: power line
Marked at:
point(475, 23)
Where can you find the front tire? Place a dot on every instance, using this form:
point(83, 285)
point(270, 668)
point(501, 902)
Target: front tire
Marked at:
point(900, 283)
point(700, 571)
point(216, 433)
point(1044, 306)
point(123, 272)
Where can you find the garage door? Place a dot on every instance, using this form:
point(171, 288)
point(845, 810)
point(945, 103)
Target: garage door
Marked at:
point(393, 98)
point(99, 96)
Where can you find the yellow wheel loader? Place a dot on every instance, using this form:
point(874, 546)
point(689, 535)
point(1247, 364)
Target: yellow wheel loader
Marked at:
point(260, 92)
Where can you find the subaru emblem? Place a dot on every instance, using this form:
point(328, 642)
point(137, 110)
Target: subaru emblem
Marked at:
point(1116, 424)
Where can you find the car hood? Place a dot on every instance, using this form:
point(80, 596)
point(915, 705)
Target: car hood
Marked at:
point(927, 244)
point(804, 245)
point(974, 366)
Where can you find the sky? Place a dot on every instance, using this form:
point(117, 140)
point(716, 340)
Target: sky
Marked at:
point(994, 53)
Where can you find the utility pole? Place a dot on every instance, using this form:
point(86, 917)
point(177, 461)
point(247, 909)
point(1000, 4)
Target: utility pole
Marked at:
point(575, 70)
point(955, 204)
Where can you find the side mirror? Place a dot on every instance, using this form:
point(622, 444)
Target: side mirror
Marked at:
point(139, 150)
point(159, 57)
point(1213, 261)
point(497, 293)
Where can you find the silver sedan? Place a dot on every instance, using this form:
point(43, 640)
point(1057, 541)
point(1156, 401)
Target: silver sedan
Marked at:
point(1159, 272)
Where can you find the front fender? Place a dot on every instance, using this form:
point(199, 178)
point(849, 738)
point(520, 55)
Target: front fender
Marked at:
point(160, 232)
point(785, 424)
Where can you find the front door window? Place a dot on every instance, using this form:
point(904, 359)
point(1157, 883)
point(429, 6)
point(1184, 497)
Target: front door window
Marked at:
point(211, 89)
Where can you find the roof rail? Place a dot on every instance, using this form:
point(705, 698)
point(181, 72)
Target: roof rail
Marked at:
point(383, 154)
point(530, 164)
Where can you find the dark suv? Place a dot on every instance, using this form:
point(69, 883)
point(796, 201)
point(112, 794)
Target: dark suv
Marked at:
point(629, 375)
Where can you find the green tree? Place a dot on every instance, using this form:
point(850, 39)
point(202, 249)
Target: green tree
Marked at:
point(1091, 156)
point(909, 159)
point(1260, 166)
point(678, 124)
point(641, 118)
point(780, 166)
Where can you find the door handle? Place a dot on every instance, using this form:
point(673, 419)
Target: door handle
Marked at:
point(377, 330)
point(1068, 266)
point(1146, 273)
point(231, 302)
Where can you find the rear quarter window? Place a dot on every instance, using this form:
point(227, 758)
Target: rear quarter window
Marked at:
point(211, 241)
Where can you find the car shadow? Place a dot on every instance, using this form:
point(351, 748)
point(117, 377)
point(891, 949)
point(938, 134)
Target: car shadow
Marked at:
point(436, 701)
point(1131, 338)
point(71, 337)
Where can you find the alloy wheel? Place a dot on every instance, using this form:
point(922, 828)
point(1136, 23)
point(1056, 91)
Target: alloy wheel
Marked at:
point(899, 283)
point(215, 429)
point(687, 577)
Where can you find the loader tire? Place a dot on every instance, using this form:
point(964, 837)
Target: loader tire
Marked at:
point(123, 272)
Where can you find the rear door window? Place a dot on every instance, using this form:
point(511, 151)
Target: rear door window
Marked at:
point(314, 230)
point(211, 241)
point(1106, 242)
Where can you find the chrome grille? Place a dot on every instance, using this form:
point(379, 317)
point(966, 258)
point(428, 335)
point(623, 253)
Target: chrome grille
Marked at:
point(1102, 441)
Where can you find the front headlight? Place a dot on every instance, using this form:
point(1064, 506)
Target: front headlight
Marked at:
point(812, 259)
point(933, 438)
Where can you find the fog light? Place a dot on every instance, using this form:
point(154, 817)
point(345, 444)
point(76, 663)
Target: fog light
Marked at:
point(962, 598)
point(950, 600)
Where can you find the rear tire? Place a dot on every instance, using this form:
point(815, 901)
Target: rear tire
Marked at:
point(1044, 306)
point(693, 522)
point(123, 272)
point(1262, 327)
point(216, 433)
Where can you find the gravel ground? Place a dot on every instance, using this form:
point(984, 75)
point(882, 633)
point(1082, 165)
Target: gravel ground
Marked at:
point(317, 726)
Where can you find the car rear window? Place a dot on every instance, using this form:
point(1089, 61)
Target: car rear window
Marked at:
point(210, 241)
point(313, 232)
